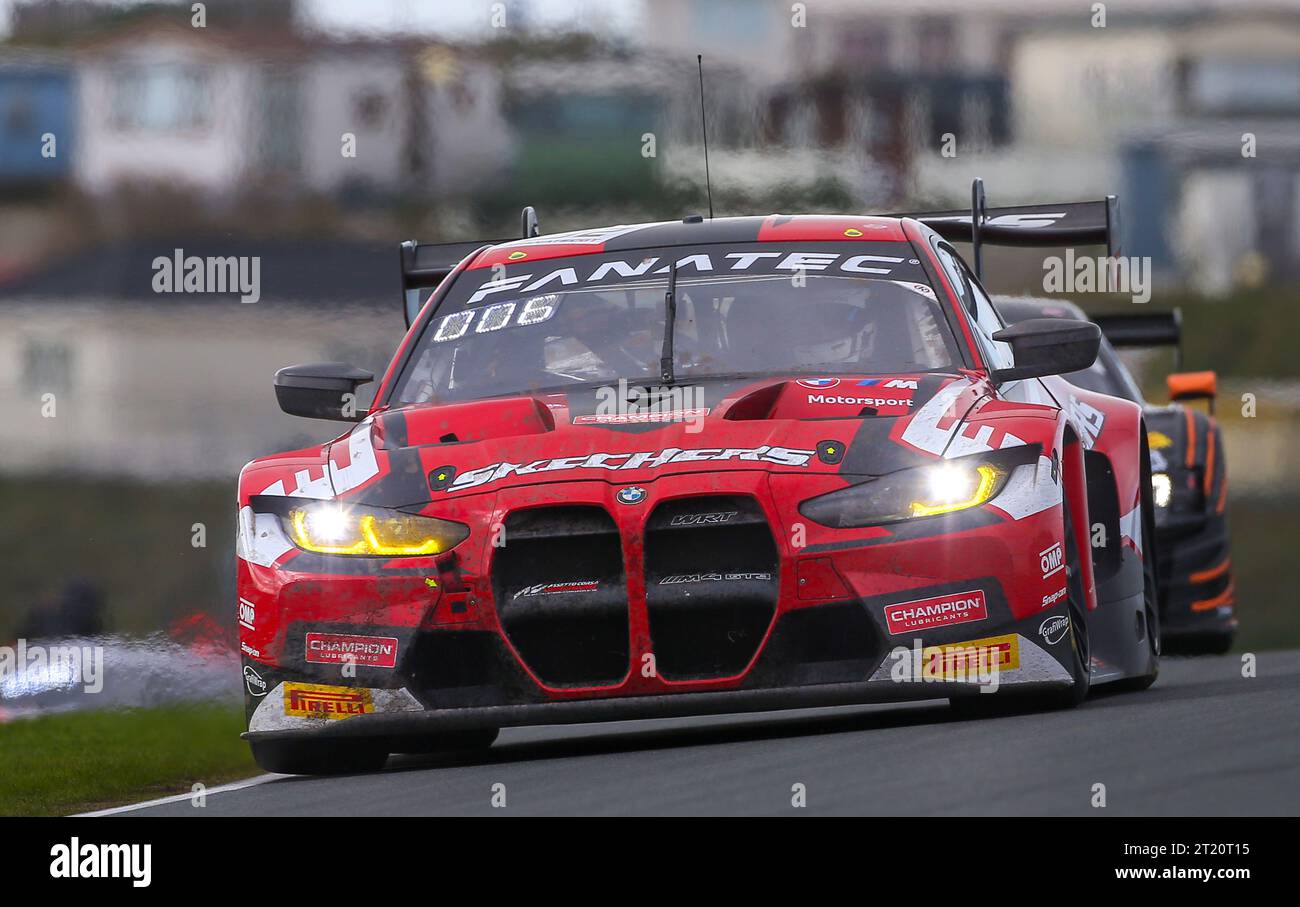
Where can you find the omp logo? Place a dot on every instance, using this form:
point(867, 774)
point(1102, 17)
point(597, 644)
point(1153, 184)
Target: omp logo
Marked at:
point(368, 651)
point(926, 613)
point(247, 614)
point(75, 860)
point(1052, 561)
point(313, 700)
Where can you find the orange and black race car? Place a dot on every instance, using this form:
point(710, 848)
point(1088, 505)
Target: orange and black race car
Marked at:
point(1189, 474)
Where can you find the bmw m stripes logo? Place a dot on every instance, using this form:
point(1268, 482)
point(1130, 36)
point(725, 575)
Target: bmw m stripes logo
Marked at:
point(630, 495)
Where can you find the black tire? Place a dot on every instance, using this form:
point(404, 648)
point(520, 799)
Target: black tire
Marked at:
point(1150, 583)
point(324, 757)
point(1080, 650)
point(455, 742)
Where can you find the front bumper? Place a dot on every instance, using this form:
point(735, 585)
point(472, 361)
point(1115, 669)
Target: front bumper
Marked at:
point(659, 612)
point(1197, 593)
point(410, 721)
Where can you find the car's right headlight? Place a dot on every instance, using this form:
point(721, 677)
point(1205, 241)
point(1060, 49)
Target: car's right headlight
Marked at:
point(947, 486)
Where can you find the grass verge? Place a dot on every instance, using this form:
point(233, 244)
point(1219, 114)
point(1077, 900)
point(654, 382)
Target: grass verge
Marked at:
point(80, 761)
point(1262, 531)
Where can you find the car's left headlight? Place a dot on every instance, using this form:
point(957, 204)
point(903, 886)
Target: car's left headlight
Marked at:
point(333, 527)
point(944, 487)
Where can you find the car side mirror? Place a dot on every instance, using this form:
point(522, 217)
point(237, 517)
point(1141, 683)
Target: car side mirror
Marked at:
point(1048, 346)
point(321, 390)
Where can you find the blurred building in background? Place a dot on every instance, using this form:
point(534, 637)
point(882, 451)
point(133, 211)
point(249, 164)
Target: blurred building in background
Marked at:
point(314, 135)
point(315, 149)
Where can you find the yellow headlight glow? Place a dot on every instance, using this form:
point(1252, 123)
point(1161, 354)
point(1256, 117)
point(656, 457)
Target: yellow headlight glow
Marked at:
point(331, 529)
point(954, 487)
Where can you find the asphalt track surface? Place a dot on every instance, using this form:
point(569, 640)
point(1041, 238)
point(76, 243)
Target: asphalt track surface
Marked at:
point(1203, 741)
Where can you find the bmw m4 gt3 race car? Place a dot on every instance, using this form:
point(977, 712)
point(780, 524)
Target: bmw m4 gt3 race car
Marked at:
point(691, 468)
point(1189, 475)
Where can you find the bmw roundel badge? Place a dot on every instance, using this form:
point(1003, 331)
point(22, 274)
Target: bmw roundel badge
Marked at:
point(630, 495)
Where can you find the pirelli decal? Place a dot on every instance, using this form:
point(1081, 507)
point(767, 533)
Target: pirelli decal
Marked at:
point(960, 660)
point(313, 700)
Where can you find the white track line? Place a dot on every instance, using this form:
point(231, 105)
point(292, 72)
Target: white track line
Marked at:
point(223, 789)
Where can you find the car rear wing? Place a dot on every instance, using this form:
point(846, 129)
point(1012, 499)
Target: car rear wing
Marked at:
point(1144, 329)
point(425, 265)
point(1093, 223)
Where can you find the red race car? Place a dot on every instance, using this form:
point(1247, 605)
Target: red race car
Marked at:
point(693, 468)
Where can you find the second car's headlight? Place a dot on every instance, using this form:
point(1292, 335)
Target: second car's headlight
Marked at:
point(330, 527)
point(1162, 488)
point(944, 487)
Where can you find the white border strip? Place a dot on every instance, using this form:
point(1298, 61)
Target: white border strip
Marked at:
point(223, 789)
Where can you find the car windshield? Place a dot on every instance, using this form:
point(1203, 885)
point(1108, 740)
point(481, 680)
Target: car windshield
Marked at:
point(757, 309)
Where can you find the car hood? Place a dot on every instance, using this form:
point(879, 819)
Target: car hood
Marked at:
point(855, 425)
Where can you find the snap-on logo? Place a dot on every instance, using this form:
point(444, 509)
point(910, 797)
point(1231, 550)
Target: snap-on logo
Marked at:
point(940, 611)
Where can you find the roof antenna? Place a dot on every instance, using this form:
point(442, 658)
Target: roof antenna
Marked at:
point(704, 126)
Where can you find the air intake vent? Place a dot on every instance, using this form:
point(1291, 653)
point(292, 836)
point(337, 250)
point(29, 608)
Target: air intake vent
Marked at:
point(711, 585)
point(562, 595)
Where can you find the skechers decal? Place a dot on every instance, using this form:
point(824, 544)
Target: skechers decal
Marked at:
point(780, 456)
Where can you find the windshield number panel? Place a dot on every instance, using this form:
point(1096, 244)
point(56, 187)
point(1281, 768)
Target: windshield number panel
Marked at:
point(497, 316)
